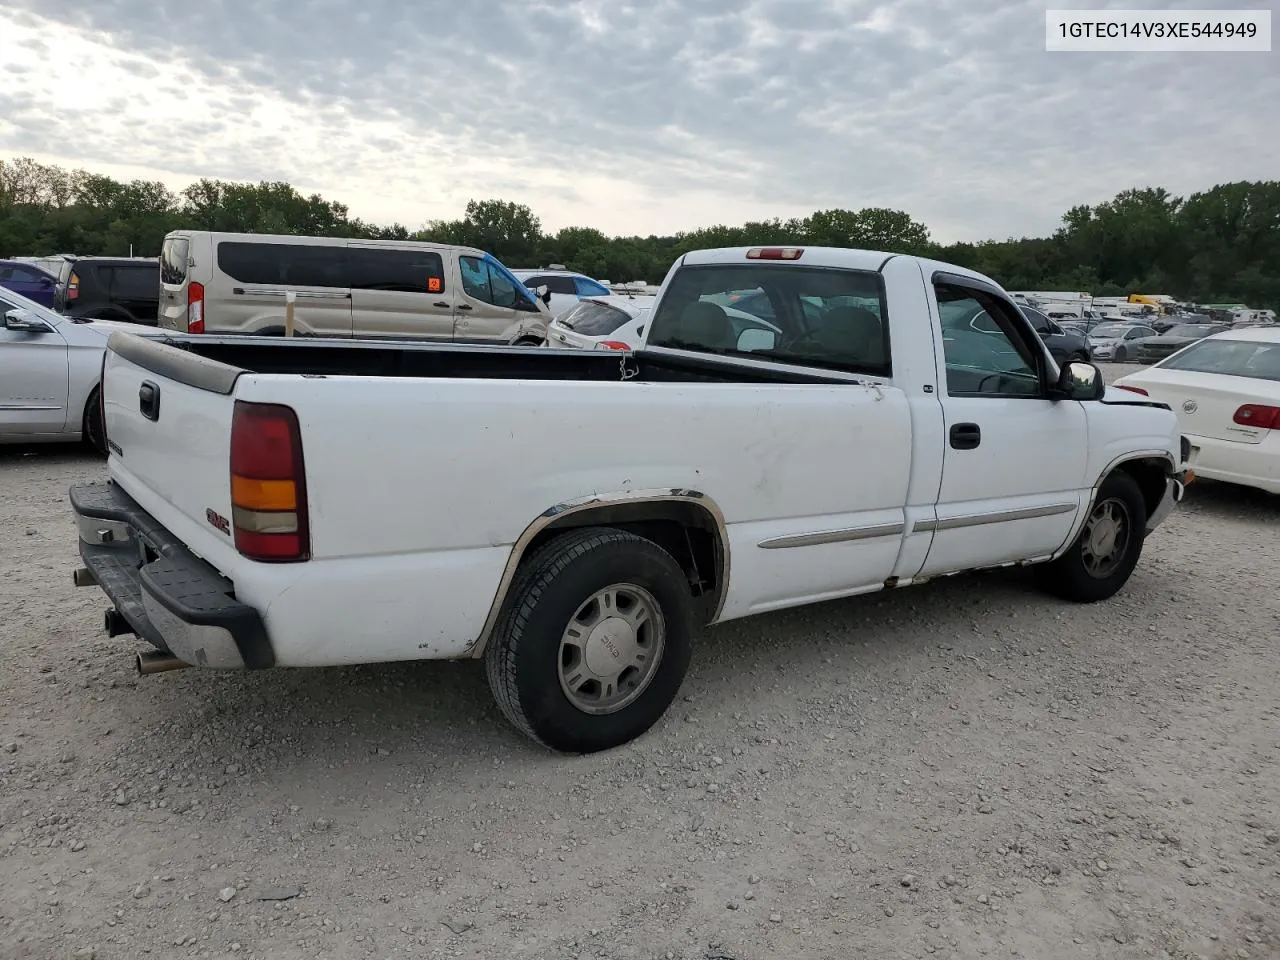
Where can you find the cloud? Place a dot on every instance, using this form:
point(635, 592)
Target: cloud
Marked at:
point(635, 117)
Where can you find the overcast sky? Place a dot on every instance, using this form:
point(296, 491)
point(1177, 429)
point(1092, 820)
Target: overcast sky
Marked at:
point(644, 117)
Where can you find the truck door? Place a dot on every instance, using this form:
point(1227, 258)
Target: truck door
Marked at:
point(399, 293)
point(1013, 460)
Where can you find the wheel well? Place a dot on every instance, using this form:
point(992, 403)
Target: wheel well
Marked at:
point(1151, 475)
point(686, 530)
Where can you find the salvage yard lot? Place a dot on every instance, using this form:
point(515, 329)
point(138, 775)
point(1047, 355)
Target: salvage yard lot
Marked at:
point(962, 769)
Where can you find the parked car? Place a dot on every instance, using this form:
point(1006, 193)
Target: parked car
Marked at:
point(50, 371)
point(1116, 341)
point(29, 281)
point(1225, 391)
point(576, 517)
point(1151, 349)
point(605, 323)
point(123, 289)
point(1063, 345)
point(561, 289)
point(238, 283)
point(58, 266)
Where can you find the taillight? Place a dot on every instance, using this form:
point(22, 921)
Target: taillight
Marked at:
point(612, 345)
point(775, 253)
point(1258, 416)
point(268, 483)
point(195, 307)
point(1121, 386)
point(73, 287)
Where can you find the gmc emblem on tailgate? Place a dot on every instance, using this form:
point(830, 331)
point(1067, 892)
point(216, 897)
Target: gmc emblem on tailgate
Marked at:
point(217, 520)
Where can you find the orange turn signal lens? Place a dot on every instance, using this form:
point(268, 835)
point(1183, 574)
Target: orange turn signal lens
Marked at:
point(263, 494)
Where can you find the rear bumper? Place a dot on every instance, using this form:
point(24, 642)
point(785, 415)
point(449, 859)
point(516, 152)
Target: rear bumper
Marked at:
point(167, 595)
point(1254, 465)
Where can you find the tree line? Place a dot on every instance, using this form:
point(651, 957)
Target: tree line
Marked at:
point(1222, 244)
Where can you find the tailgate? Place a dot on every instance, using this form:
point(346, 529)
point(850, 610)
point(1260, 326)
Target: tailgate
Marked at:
point(168, 423)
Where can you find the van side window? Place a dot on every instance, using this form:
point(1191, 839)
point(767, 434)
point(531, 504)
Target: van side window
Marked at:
point(400, 271)
point(284, 264)
point(481, 283)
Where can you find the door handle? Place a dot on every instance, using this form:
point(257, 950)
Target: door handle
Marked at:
point(442, 304)
point(965, 436)
point(464, 306)
point(149, 400)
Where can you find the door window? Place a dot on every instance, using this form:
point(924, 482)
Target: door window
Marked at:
point(481, 282)
point(985, 351)
point(135, 283)
point(401, 271)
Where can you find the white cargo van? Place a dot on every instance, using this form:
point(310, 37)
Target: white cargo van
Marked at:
point(237, 283)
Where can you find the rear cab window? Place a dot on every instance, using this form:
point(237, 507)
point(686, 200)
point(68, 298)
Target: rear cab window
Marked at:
point(821, 317)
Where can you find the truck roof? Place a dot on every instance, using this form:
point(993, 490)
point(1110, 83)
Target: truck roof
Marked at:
point(843, 257)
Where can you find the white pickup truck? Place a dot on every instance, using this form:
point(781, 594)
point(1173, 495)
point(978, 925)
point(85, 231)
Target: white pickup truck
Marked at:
point(577, 518)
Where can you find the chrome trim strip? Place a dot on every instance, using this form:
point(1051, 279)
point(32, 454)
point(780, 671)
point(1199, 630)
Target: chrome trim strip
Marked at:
point(1001, 516)
point(833, 536)
point(28, 406)
point(552, 514)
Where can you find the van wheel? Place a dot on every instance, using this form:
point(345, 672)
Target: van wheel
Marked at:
point(1103, 556)
point(92, 429)
point(594, 640)
point(527, 342)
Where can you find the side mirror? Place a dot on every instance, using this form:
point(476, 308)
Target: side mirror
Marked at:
point(25, 322)
point(544, 293)
point(1080, 381)
point(756, 338)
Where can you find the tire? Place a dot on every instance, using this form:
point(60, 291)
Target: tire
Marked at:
point(533, 664)
point(1120, 355)
point(527, 342)
point(91, 427)
point(1081, 575)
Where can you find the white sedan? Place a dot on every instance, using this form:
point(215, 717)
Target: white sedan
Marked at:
point(600, 323)
point(50, 368)
point(1225, 391)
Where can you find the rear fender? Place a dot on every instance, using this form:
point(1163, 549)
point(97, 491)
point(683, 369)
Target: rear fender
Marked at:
point(610, 509)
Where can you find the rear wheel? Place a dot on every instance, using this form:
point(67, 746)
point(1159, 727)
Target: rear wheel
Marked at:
point(1103, 556)
point(594, 640)
point(93, 430)
point(527, 342)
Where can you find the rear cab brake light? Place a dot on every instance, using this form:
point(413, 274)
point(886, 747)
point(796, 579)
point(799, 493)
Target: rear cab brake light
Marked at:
point(268, 484)
point(1259, 416)
point(775, 253)
point(195, 307)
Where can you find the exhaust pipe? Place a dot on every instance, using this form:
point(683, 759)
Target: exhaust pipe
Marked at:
point(84, 577)
point(115, 625)
point(153, 661)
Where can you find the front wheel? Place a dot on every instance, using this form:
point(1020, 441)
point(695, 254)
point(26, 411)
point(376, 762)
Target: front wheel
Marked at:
point(527, 342)
point(594, 640)
point(1103, 556)
point(1121, 355)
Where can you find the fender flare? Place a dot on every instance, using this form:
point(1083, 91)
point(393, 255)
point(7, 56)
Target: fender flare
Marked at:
point(601, 503)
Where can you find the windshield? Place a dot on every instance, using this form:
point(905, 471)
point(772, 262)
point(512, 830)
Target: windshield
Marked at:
point(811, 316)
point(1189, 330)
point(1233, 358)
point(1104, 331)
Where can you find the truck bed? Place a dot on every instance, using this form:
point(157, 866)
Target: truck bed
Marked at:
point(316, 357)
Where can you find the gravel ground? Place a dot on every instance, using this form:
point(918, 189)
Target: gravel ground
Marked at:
point(965, 769)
